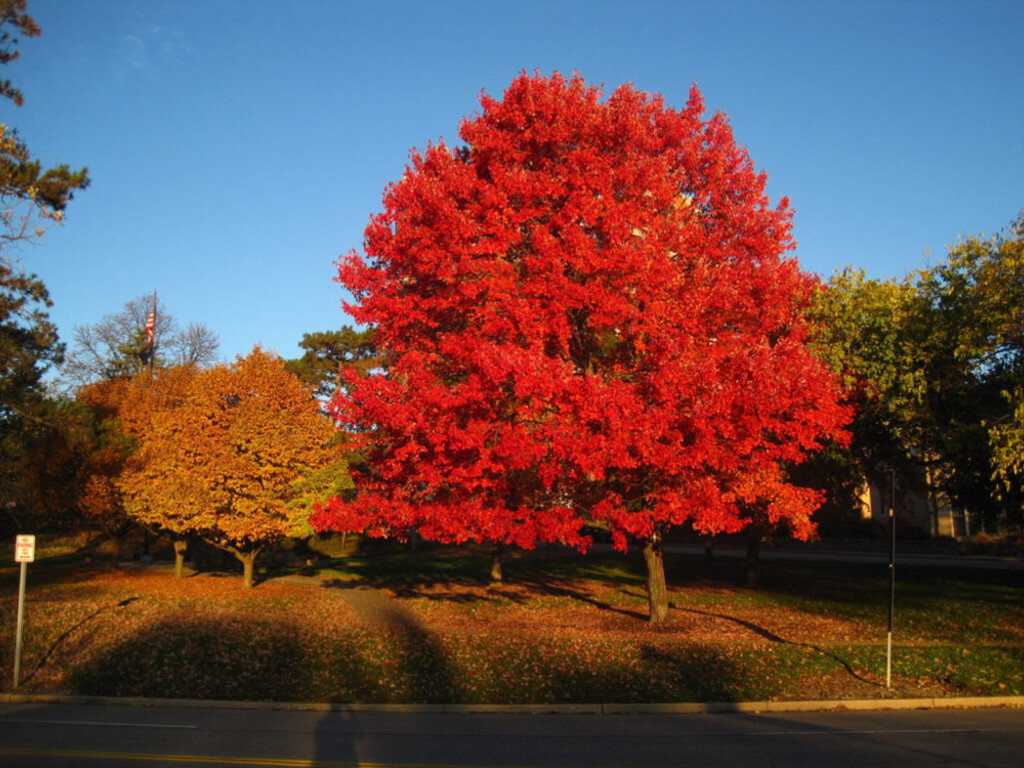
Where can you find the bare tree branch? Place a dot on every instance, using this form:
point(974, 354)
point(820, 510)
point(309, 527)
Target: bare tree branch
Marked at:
point(117, 345)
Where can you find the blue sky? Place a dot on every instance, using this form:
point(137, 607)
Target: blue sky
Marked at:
point(237, 147)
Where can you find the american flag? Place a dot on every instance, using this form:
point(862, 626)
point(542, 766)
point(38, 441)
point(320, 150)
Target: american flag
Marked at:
point(150, 325)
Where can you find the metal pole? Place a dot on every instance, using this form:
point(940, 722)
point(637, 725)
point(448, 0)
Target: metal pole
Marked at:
point(152, 347)
point(892, 576)
point(21, 622)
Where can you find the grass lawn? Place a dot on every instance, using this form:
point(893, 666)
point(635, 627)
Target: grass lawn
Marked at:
point(387, 625)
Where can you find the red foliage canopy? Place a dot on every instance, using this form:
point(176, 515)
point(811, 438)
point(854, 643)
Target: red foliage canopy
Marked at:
point(590, 317)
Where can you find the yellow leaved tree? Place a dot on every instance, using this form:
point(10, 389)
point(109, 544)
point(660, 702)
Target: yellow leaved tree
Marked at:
point(224, 453)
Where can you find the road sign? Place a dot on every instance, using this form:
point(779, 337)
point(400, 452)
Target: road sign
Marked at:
point(24, 549)
point(24, 553)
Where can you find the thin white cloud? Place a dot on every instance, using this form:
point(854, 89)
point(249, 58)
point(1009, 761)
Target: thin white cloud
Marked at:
point(150, 47)
point(133, 52)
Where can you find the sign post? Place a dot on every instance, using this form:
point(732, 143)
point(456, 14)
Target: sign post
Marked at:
point(892, 577)
point(24, 553)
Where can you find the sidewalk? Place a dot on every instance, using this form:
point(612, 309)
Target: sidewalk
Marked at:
point(607, 708)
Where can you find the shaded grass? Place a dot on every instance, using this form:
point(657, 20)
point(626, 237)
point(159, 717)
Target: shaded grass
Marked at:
point(277, 662)
point(392, 566)
point(257, 663)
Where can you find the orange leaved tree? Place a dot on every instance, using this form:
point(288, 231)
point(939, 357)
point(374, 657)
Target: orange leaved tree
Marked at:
point(222, 453)
point(145, 482)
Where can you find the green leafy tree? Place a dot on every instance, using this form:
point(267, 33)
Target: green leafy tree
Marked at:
point(991, 271)
point(28, 348)
point(13, 21)
point(972, 326)
point(935, 362)
point(863, 335)
point(1008, 448)
point(28, 342)
point(326, 352)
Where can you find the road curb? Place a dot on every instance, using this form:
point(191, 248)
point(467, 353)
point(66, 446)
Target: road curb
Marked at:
point(753, 707)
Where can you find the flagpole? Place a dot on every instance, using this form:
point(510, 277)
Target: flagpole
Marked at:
point(152, 339)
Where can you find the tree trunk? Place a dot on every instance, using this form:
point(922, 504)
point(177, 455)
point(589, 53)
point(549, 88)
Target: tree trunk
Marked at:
point(753, 555)
point(248, 561)
point(657, 592)
point(709, 555)
point(496, 574)
point(115, 553)
point(933, 500)
point(179, 558)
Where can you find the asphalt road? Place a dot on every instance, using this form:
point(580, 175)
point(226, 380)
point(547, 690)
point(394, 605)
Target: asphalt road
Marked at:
point(50, 735)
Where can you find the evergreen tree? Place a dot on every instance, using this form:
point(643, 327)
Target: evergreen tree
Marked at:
point(29, 194)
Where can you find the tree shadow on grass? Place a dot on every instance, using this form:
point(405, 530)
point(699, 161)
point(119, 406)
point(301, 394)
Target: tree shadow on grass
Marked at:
point(398, 660)
point(580, 595)
point(420, 591)
point(460, 575)
point(468, 563)
point(862, 583)
point(422, 669)
point(44, 573)
point(408, 574)
point(933, 604)
point(199, 658)
point(56, 645)
point(651, 674)
point(696, 673)
point(519, 592)
point(242, 658)
point(769, 635)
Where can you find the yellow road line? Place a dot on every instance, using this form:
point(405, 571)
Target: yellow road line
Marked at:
point(212, 759)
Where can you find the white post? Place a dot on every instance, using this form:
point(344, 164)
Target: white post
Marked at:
point(892, 577)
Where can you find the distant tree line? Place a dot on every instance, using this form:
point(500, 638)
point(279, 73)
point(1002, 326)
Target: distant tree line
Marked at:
point(934, 363)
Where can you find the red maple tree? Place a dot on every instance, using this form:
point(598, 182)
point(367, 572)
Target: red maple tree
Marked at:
point(590, 319)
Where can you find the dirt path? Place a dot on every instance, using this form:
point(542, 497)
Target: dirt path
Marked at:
point(374, 606)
